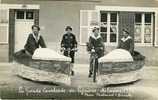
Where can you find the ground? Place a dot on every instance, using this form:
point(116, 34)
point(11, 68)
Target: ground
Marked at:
point(145, 89)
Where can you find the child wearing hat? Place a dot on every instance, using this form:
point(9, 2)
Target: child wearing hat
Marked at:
point(69, 44)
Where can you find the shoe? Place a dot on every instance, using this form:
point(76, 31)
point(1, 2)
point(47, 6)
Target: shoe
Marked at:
point(90, 75)
point(72, 73)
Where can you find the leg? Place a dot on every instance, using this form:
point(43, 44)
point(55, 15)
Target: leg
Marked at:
point(90, 67)
point(72, 54)
point(96, 64)
point(65, 53)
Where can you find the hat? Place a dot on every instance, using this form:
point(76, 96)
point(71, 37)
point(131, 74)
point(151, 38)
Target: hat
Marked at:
point(95, 28)
point(36, 27)
point(125, 30)
point(68, 27)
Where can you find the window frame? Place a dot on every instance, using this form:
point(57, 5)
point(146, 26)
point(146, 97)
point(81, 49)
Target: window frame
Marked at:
point(137, 9)
point(108, 43)
point(25, 11)
point(142, 43)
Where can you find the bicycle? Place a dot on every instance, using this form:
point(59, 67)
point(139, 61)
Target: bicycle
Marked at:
point(68, 55)
point(68, 50)
point(94, 57)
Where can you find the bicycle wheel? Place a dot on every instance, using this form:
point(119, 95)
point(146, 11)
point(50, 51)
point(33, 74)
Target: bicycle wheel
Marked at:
point(94, 71)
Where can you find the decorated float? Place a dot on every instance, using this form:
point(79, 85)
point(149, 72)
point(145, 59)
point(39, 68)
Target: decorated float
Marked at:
point(119, 66)
point(45, 65)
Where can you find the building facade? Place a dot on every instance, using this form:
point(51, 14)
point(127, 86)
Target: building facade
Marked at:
point(141, 22)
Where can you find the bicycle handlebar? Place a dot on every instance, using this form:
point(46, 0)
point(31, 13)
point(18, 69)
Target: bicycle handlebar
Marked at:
point(68, 49)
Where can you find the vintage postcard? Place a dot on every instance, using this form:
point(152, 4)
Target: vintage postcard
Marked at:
point(79, 49)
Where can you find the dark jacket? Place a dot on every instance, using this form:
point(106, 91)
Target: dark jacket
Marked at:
point(127, 44)
point(97, 44)
point(31, 44)
point(69, 41)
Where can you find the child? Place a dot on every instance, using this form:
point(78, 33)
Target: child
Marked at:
point(69, 44)
point(95, 45)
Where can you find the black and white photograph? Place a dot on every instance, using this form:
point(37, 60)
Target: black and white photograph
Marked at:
point(79, 49)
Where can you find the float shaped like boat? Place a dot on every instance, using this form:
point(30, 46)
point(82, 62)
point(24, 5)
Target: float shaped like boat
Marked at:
point(45, 65)
point(119, 67)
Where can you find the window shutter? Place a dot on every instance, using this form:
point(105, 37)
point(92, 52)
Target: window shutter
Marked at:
point(4, 19)
point(88, 20)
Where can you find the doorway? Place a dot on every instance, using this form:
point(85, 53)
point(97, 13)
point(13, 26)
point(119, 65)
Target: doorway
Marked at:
point(23, 22)
point(20, 23)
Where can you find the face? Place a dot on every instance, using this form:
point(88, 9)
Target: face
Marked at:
point(35, 30)
point(69, 31)
point(125, 34)
point(96, 32)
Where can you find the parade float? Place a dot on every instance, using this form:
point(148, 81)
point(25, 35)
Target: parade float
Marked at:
point(45, 65)
point(119, 66)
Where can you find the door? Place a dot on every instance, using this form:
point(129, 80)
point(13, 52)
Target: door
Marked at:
point(126, 20)
point(23, 23)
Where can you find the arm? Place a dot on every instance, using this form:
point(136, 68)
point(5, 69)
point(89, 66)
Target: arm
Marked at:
point(75, 42)
point(62, 41)
point(91, 46)
point(102, 42)
point(29, 47)
point(131, 49)
point(42, 43)
point(119, 44)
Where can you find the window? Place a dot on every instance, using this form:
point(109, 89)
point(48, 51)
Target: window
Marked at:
point(103, 16)
point(29, 15)
point(148, 28)
point(20, 15)
point(103, 28)
point(109, 26)
point(143, 28)
point(148, 18)
point(138, 17)
point(138, 30)
point(113, 27)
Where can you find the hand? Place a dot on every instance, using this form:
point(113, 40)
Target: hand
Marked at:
point(62, 49)
point(101, 48)
point(92, 50)
point(75, 49)
point(28, 53)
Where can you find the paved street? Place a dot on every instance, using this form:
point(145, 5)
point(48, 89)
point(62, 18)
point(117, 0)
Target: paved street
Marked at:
point(147, 87)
